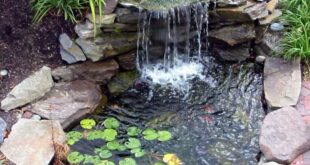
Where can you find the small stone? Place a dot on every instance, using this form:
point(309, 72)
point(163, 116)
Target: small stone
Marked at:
point(257, 11)
point(276, 27)
point(4, 72)
point(260, 59)
point(27, 115)
point(104, 19)
point(3, 126)
point(36, 117)
point(70, 51)
point(85, 30)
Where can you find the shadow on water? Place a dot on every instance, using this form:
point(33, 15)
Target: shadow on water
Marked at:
point(216, 122)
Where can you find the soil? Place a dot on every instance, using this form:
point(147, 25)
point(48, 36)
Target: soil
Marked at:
point(24, 46)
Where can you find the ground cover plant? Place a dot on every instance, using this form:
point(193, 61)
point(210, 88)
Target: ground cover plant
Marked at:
point(296, 42)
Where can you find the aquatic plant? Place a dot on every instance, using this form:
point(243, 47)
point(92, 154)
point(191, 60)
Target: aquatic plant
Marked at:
point(109, 133)
point(172, 159)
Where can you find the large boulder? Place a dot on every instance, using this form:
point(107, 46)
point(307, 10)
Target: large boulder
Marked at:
point(70, 51)
point(282, 82)
point(99, 72)
point(108, 45)
point(68, 102)
point(32, 88)
point(284, 135)
point(233, 35)
point(32, 142)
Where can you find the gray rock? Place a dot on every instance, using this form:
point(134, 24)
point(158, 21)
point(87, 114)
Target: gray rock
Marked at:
point(233, 35)
point(31, 142)
point(4, 72)
point(127, 61)
point(104, 19)
point(276, 27)
point(32, 88)
point(85, 30)
point(122, 82)
point(126, 16)
point(119, 27)
point(270, 18)
point(270, 43)
point(68, 102)
point(257, 10)
point(282, 82)
point(229, 3)
point(237, 53)
point(36, 117)
point(108, 45)
point(260, 59)
point(109, 6)
point(3, 126)
point(70, 52)
point(284, 135)
point(99, 72)
point(271, 163)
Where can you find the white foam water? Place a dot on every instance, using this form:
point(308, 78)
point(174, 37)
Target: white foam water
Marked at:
point(177, 77)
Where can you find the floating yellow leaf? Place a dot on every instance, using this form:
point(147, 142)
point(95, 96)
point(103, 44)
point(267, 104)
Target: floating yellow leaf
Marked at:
point(172, 159)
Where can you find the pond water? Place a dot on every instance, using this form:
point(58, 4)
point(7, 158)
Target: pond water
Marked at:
point(217, 121)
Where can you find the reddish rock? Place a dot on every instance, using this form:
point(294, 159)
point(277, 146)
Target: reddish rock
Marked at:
point(284, 135)
point(27, 114)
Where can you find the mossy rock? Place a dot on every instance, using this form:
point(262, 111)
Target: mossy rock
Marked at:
point(122, 82)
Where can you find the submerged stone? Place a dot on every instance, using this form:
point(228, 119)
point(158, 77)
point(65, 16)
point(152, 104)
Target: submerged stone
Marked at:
point(122, 82)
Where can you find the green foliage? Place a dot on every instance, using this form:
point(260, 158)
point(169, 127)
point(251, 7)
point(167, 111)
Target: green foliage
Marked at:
point(104, 154)
point(92, 5)
point(88, 159)
point(138, 152)
point(106, 162)
point(111, 123)
point(121, 148)
point(97, 134)
point(73, 137)
point(113, 145)
point(127, 161)
point(75, 158)
point(296, 40)
point(68, 8)
point(133, 131)
point(150, 134)
point(133, 143)
point(88, 123)
point(164, 136)
point(110, 134)
point(159, 163)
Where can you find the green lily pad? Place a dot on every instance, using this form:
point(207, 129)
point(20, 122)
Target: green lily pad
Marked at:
point(110, 134)
point(111, 123)
point(133, 143)
point(121, 148)
point(73, 137)
point(133, 131)
point(159, 163)
point(75, 158)
point(138, 152)
point(88, 123)
point(93, 135)
point(104, 154)
point(113, 145)
point(88, 159)
point(164, 136)
point(127, 161)
point(106, 162)
point(150, 134)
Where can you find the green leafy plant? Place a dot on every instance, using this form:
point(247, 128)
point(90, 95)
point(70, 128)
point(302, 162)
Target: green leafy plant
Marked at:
point(104, 154)
point(111, 123)
point(164, 136)
point(110, 134)
point(68, 8)
point(113, 145)
point(133, 131)
point(133, 143)
point(106, 162)
point(73, 137)
point(138, 152)
point(75, 158)
point(93, 4)
point(88, 159)
point(88, 123)
point(127, 161)
point(97, 134)
point(150, 134)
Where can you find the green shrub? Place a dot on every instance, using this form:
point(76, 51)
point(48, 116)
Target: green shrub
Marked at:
point(296, 42)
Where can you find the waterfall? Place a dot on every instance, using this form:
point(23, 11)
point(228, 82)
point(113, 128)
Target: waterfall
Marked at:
point(182, 32)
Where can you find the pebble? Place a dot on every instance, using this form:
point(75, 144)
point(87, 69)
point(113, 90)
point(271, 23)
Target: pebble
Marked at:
point(36, 117)
point(276, 27)
point(260, 59)
point(4, 72)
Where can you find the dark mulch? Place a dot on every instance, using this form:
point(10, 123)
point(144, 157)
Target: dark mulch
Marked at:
point(25, 47)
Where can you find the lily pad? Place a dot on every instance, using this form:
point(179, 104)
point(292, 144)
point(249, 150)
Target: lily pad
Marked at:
point(138, 152)
point(73, 137)
point(150, 134)
point(159, 163)
point(127, 161)
point(121, 148)
point(133, 131)
point(104, 154)
point(75, 158)
point(88, 123)
point(106, 162)
point(111, 123)
point(113, 145)
point(110, 134)
point(133, 143)
point(93, 135)
point(164, 136)
point(88, 159)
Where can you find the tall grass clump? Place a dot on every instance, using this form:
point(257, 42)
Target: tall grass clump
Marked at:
point(296, 41)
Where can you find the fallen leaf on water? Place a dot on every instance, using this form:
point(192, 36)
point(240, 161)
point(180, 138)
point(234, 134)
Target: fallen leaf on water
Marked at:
point(172, 159)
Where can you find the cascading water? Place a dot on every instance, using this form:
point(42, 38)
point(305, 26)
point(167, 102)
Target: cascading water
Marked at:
point(184, 44)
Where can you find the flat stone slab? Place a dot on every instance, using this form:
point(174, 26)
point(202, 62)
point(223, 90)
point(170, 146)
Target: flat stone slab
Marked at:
point(68, 102)
point(31, 142)
point(282, 82)
point(284, 135)
point(32, 88)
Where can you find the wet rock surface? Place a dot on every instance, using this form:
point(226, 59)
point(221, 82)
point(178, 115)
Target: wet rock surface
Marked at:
point(127, 61)
point(284, 135)
point(32, 88)
point(99, 72)
point(282, 82)
point(122, 82)
point(31, 142)
point(238, 53)
point(68, 102)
